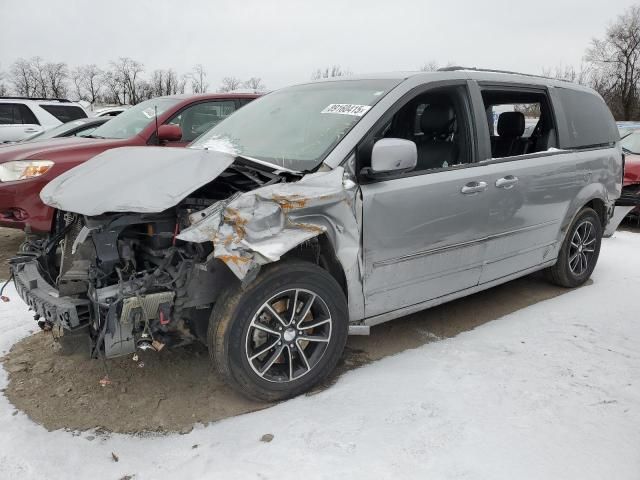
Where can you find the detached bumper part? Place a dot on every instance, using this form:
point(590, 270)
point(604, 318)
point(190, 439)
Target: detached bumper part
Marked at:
point(628, 201)
point(43, 299)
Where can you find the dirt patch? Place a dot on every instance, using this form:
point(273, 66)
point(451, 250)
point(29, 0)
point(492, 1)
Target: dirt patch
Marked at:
point(173, 390)
point(159, 392)
point(10, 240)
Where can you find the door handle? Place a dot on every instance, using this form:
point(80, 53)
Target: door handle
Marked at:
point(473, 187)
point(30, 130)
point(506, 182)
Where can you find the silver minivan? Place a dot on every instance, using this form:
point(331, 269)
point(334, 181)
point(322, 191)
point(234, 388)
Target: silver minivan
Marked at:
point(324, 209)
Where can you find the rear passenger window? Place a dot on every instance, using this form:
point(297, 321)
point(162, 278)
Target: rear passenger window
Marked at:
point(520, 122)
point(589, 122)
point(65, 113)
point(16, 114)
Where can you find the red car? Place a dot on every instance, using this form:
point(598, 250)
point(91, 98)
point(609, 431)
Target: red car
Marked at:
point(26, 168)
point(631, 147)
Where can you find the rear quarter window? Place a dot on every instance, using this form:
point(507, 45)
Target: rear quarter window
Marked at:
point(589, 122)
point(16, 114)
point(65, 113)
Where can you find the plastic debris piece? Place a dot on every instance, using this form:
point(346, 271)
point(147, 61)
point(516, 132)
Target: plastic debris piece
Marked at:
point(135, 357)
point(105, 381)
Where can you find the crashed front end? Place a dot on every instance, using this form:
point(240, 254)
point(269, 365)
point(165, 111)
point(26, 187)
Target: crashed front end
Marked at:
point(140, 273)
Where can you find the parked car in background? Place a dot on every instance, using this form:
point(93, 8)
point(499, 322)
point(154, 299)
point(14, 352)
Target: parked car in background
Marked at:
point(110, 111)
point(629, 201)
point(323, 209)
point(75, 128)
point(22, 117)
point(631, 147)
point(27, 167)
point(626, 128)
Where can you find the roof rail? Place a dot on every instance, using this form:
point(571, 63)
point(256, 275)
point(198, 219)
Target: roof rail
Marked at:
point(61, 100)
point(456, 68)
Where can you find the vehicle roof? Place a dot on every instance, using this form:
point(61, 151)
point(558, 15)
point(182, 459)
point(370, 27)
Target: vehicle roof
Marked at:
point(214, 96)
point(39, 101)
point(457, 73)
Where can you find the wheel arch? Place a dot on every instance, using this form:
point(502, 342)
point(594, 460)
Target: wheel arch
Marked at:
point(320, 250)
point(592, 196)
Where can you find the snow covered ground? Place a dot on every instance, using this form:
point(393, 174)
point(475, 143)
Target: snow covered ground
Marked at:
point(549, 392)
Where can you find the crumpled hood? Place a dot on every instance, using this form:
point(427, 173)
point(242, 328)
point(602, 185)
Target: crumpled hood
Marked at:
point(134, 179)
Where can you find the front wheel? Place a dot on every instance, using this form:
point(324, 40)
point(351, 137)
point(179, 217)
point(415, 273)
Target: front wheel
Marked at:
point(579, 252)
point(282, 334)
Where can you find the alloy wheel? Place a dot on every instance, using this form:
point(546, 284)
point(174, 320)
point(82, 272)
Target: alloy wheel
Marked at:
point(582, 248)
point(288, 335)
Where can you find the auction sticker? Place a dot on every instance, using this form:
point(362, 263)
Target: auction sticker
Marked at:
point(347, 109)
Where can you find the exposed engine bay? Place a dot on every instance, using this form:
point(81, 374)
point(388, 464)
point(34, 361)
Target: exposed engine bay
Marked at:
point(135, 284)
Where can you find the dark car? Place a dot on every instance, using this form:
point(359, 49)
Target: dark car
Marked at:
point(81, 127)
point(27, 167)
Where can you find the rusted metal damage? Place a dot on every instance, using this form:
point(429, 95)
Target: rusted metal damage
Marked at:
point(260, 226)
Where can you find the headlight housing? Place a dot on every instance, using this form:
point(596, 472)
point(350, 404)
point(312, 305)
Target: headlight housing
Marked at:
point(23, 169)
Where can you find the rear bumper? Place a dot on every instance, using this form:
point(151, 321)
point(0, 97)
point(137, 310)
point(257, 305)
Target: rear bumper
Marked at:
point(43, 299)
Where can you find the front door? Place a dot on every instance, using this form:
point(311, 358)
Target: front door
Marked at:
point(422, 230)
point(422, 237)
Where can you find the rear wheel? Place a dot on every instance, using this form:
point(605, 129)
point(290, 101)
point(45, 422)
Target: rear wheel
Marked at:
point(580, 250)
point(282, 334)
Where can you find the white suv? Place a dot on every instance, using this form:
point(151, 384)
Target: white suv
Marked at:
point(22, 117)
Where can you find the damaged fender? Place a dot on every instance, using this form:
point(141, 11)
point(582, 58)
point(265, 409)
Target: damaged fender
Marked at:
point(260, 226)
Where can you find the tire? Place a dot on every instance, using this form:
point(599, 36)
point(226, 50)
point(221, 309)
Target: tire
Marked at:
point(257, 352)
point(578, 257)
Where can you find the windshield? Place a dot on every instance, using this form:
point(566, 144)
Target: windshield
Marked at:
point(296, 127)
point(133, 120)
point(631, 143)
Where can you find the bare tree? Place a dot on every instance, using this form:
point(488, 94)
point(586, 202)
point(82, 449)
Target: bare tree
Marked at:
point(22, 77)
point(128, 73)
point(198, 78)
point(164, 82)
point(616, 59)
point(38, 68)
point(57, 74)
point(255, 83)
point(229, 84)
point(330, 72)
point(4, 89)
point(114, 89)
point(88, 81)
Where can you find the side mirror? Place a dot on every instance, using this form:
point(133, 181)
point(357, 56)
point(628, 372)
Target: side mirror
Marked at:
point(391, 155)
point(169, 133)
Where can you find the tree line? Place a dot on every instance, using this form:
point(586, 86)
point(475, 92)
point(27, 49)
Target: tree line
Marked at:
point(123, 81)
point(611, 66)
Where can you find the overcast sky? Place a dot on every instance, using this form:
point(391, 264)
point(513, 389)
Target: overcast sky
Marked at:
point(284, 41)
